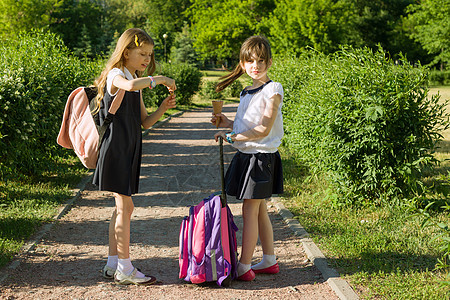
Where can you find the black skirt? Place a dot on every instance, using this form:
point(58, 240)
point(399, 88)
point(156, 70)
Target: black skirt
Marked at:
point(254, 176)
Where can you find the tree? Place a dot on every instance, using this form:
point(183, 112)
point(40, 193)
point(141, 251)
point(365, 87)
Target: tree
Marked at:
point(24, 15)
point(220, 27)
point(430, 20)
point(183, 50)
point(84, 27)
point(321, 24)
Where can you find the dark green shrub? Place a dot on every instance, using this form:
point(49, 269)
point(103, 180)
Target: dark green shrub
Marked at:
point(37, 76)
point(234, 89)
point(188, 80)
point(362, 120)
point(209, 90)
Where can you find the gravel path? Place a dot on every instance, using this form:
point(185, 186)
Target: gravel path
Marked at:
point(180, 166)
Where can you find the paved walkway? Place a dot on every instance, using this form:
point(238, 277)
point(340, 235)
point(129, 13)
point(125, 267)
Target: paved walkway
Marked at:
point(180, 166)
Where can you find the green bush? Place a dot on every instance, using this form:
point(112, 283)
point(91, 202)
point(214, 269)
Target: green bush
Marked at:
point(360, 119)
point(38, 74)
point(234, 89)
point(209, 90)
point(187, 78)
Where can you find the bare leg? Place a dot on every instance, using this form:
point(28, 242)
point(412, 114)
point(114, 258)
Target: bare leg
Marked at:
point(124, 209)
point(250, 211)
point(265, 229)
point(112, 235)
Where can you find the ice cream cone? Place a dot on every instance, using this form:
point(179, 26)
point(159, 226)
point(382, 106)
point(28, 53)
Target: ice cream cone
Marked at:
point(217, 109)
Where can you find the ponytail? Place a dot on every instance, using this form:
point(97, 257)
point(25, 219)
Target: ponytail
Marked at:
point(230, 78)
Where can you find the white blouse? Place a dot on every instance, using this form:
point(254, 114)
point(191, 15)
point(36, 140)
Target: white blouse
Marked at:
point(250, 113)
point(113, 73)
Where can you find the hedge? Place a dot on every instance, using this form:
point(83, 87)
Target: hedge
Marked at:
point(363, 121)
point(37, 75)
point(187, 78)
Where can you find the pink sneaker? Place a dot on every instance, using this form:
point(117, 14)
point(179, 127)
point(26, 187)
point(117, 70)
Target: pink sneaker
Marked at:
point(269, 270)
point(247, 276)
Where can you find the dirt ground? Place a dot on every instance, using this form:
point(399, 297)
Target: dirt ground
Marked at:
point(180, 166)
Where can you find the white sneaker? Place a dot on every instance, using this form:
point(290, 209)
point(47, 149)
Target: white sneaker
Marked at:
point(121, 278)
point(108, 272)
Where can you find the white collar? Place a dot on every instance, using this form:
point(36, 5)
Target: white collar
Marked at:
point(128, 75)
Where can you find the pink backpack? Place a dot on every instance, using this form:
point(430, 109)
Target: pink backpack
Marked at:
point(208, 248)
point(82, 131)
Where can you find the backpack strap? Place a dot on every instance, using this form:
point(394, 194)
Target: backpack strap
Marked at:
point(116, 102)
point(101, 128)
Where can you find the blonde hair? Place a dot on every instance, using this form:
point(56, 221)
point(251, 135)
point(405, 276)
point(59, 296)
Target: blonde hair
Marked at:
point(256, 45)
point(132, 38)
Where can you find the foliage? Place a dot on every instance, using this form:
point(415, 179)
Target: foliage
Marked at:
point(25, 15)
point(362, 120)
point(83, 27)
point(382, 251)
point(323, 25)
point(89, 27)
point(164, 17)
point(37, 76)
point(440, 77)
point(431, 22)
point(234, 90)
point(234, 21)
point(188, 80)
point(209, 90)
point(183, 50)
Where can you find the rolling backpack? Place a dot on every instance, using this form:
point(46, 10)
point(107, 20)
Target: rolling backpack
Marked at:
point(207, 240)
point(80, 129)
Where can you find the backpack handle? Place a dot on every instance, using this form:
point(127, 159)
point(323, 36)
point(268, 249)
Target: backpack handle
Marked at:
point(223, 197)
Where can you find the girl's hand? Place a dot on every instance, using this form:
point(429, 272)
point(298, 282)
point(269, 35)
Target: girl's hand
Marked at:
point(224, 121)
point(169, 102)
point(220, 133)
point(170, 84)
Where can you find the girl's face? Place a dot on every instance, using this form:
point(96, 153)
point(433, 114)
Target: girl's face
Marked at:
point(137, 59)
point(256, 68)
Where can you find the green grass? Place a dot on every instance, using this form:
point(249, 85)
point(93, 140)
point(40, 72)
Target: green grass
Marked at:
point(382, 251)
point(27, 203)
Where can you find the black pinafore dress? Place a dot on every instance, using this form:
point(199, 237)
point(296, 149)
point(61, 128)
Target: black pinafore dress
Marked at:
point(119, 159)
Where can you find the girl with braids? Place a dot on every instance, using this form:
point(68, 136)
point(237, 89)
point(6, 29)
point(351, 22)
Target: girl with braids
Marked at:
point(119, 160)
point(255, 172)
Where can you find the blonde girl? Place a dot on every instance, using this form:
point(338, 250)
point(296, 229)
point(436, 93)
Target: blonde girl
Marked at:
point(119, 160)
point(255, 172)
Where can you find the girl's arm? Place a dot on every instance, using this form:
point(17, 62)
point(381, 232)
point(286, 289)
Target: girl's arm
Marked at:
point(260, 131)
point(149, 120)
point(120, 82)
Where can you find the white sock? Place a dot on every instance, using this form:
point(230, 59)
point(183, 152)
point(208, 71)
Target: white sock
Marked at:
point(242, 268)
point(112, 261)
point(126, 267)
point(267, 261)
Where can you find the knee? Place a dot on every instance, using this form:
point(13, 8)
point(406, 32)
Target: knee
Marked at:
point(250, 208)
point(124, 205)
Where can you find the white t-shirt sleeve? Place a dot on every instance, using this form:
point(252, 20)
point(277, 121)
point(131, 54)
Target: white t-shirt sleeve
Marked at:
point(275, 89)
point(109, 79)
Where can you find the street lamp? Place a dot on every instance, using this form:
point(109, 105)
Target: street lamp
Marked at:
point(165, 39)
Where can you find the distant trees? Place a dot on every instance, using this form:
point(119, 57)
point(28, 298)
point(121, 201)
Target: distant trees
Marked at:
point(430, 23)
point(214, 30)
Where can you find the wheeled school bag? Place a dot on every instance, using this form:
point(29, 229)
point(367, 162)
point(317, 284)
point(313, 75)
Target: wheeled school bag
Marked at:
point(80, 129)
point(208, 247)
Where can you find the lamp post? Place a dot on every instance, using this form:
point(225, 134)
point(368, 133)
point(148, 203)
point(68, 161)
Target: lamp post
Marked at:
point(165, 39)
